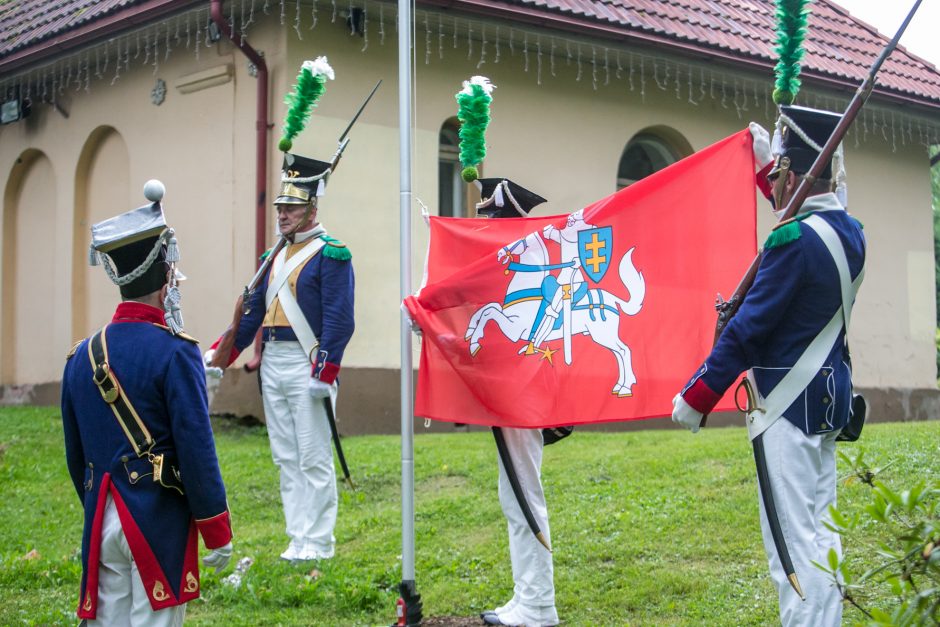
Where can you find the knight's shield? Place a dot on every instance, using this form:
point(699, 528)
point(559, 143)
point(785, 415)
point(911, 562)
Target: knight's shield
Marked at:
point(595, 247)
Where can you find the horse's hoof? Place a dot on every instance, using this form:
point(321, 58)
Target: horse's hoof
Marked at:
point(616, 390)
point(468, 336)
point(474, 349)
point(624, 392)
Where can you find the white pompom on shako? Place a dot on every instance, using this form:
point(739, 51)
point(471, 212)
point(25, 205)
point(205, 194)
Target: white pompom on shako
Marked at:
point(154, 190)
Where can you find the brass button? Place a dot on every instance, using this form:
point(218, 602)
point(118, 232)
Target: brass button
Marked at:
point(826, 400)
point(134, 475)
point(91, 465)
point(823, 425)
point(822, 373)
point(124, 458)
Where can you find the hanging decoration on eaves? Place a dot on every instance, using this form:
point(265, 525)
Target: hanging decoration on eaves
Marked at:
point(441, 38)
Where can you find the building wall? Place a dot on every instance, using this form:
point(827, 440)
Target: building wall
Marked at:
point(562, 138)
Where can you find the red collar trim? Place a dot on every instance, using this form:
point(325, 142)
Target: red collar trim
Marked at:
point(131, 311)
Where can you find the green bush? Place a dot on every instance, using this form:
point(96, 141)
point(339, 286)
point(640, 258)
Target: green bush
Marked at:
point(898, 536)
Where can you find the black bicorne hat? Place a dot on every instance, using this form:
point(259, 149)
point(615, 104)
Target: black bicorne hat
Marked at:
point(504, 199)
point(302, 180)
point(815, 124)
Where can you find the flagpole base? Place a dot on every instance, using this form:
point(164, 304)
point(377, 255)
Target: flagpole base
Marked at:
point(409, 605)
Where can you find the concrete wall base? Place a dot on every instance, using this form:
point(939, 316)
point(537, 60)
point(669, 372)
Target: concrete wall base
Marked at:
point(369, 404)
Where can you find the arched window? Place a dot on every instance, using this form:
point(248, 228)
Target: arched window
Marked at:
point(649, 151)
point(452, 192)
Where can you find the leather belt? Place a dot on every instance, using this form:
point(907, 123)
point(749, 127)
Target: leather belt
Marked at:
point(278, 334)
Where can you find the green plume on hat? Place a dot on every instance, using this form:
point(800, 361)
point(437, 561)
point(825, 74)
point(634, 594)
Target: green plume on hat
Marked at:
point(473, 111)
point(311, 83)
point(791, 31)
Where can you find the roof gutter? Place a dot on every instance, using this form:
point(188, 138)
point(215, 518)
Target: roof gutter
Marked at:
point(558, 21)
point(261, 123)
point(97, 30)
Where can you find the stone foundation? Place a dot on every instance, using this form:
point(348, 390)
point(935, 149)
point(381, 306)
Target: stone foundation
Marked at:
point(369, 404)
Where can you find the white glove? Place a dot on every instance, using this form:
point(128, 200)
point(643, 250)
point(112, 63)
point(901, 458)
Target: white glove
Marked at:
point(411, 323)
point(838, 177)
point(761, 146)
point(683, 414)
point(218, 558)
point(319, 389)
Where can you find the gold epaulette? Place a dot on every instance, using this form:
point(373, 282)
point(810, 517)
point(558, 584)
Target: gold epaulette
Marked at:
point(73, 349)
point(182, 335)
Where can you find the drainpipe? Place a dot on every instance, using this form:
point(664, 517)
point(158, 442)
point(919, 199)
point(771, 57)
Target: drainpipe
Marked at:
point(261, 142)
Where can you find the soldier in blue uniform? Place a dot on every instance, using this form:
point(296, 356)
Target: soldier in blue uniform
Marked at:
point(790, 334)
point(304, 307)
point(138, 441)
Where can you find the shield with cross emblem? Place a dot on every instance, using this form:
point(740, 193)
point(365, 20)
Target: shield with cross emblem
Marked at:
point(594, 250)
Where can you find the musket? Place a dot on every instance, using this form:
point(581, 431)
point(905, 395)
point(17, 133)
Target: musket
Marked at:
point(728, 308)
point(510, 470)
point(242, 304)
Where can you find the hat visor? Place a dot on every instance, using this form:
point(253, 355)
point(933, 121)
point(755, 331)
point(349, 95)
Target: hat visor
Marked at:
point(291, 200)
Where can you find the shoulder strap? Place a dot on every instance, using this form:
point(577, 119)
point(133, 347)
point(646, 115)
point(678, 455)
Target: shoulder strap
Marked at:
point(113, 394)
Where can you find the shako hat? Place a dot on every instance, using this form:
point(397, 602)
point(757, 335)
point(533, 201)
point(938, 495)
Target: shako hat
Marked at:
point(803, 133)
point(503, 198)
point(139, 252)
point(302, 178)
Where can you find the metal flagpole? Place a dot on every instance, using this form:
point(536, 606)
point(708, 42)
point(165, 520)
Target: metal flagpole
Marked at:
point(409, 603)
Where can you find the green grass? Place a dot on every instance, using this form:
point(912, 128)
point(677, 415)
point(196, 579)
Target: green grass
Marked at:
point(649, 528)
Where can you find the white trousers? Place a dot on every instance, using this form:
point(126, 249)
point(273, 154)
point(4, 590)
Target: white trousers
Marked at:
point(532, 573)
point(301, 445)
point(802, 471)
point(122, 599)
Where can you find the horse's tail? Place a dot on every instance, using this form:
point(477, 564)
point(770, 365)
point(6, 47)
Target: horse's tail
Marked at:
point(634, 282)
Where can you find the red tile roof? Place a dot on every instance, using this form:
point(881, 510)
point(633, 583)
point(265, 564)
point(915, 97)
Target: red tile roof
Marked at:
point(839, 48)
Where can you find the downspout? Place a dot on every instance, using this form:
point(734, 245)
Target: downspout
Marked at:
point(261, 142)
point(261, 123)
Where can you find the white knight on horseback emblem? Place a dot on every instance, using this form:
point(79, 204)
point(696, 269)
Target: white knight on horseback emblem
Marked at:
point(546, 302)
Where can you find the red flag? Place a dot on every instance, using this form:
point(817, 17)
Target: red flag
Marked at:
point(642, 268)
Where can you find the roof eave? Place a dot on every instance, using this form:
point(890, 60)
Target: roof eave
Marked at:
point(97, 30)
point(569, 23)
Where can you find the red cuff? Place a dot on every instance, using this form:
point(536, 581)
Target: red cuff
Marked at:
point(215, 531)
point(233, 355)
point(326, 371)
point(762, 183)
point(700, 397)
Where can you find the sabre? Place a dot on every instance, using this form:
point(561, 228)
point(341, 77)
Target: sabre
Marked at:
point(504, 456)
point(331, 417)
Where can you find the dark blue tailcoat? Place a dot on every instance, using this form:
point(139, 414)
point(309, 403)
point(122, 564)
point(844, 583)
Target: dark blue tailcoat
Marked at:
point(795, 293)
point(164, 378)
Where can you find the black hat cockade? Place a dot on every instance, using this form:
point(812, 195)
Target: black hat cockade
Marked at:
point(802, 134)
point(143, 251)
point(503, 198)
point(302, 178)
